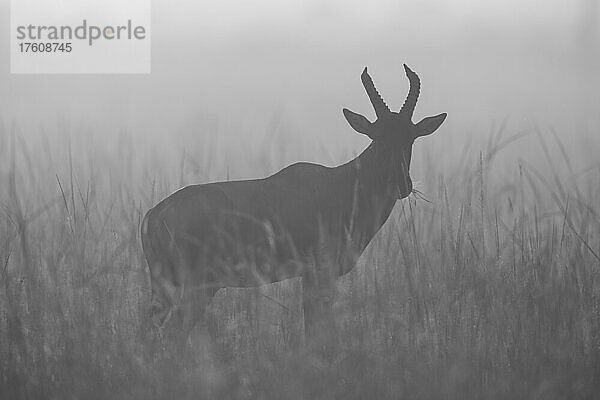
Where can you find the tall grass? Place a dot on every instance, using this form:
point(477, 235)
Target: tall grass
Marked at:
point(485, 286)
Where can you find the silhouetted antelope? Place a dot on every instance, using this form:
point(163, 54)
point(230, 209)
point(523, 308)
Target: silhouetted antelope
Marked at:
point(307, 220)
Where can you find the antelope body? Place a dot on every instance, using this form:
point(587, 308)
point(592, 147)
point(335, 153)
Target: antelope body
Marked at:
point(307, 220)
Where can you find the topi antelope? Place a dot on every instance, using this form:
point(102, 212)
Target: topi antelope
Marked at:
point(307, 220)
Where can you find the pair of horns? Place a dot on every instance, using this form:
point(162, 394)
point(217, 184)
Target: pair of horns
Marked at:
point(379, 105)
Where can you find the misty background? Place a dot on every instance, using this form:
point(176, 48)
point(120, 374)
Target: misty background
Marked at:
point(249, 65)
point(490, 289)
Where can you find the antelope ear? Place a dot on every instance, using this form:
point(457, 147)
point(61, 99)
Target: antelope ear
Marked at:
point(429, 125)
point(359, 123)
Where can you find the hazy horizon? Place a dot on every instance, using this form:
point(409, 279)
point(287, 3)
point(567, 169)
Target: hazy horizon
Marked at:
point(530, 63)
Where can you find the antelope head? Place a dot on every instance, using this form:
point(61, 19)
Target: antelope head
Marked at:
point(393, 133)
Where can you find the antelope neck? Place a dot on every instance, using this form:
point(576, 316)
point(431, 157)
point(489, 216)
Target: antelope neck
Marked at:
point(372, 195)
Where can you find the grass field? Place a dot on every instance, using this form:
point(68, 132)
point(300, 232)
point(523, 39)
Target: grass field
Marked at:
point(488, 288)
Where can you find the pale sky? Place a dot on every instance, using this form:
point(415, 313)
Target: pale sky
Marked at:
point(242, 60)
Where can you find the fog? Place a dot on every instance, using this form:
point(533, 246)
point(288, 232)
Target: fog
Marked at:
point(483, 283)
point(244, 62)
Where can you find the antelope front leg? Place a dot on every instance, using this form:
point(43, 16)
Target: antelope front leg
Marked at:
point(318, 291)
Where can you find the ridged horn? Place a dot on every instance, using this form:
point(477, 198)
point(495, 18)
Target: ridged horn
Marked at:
point(378, 104)
point(413, 93)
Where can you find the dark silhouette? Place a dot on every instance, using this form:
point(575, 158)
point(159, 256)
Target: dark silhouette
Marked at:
point(307, 220)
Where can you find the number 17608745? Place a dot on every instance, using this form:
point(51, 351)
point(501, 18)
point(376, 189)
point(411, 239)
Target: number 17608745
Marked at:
point(47, 47)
